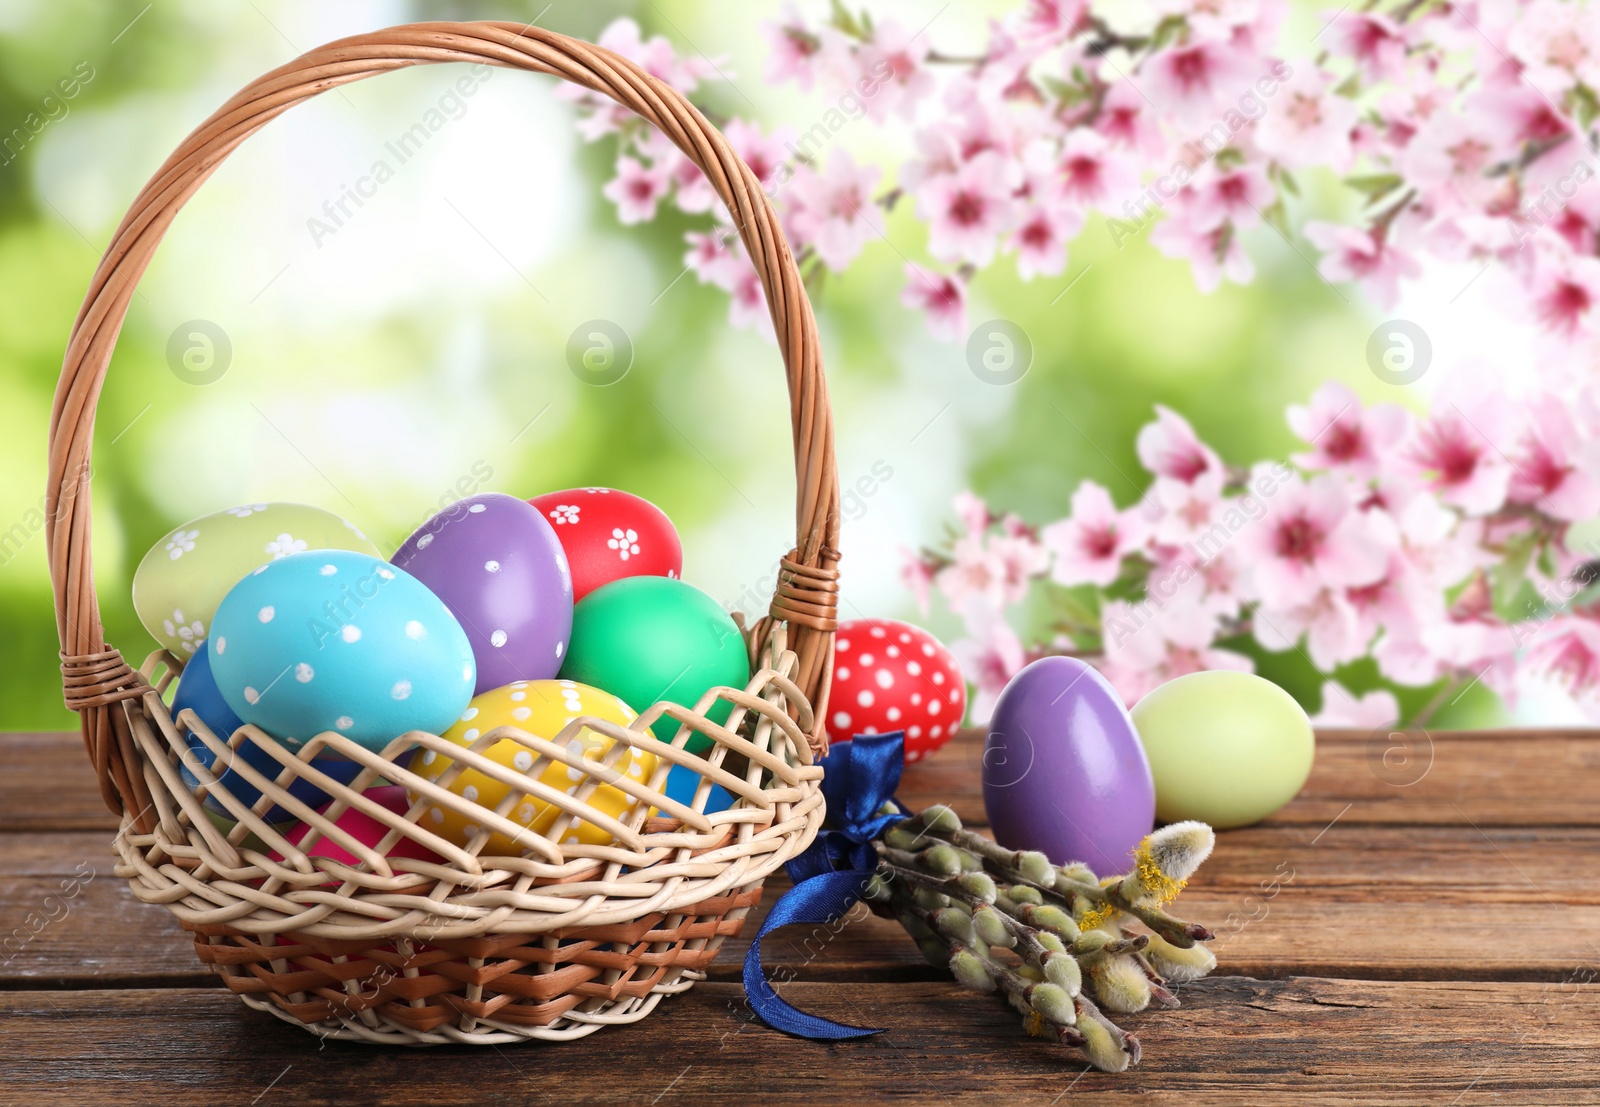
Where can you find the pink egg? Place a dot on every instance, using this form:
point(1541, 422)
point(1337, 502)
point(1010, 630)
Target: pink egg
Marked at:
point(366, 830)
point(609, 534)
point(889, 675)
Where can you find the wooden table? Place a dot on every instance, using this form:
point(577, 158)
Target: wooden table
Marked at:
point(1381, 941)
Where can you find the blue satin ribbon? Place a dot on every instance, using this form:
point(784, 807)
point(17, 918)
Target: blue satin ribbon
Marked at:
point(859, 777)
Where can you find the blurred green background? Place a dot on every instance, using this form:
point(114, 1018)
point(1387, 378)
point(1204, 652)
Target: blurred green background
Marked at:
point(375, 367)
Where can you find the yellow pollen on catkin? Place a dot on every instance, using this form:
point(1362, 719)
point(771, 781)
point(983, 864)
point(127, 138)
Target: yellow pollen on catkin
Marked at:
point(1034, 1024)
point(1097, 916)
point(1161, 887)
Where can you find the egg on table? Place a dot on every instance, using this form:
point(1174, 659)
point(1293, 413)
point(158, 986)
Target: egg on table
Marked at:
point(1227, 748)
point(498, 567)
point(1063, 770)
point(198, 692)
point(181, 581)
point(648, 639)
point(540, 708)
point(330, 640)
point(610, 534)
point(889, 675)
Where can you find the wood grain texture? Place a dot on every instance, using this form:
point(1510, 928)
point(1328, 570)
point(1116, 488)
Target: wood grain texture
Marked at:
point(1362, 938)
point(1461, 778)
point(1281, 906)
point(1488, 778)
point(1235, 1040)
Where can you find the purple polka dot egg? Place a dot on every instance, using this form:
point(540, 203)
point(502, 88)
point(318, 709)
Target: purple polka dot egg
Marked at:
point(498, 566)
point(330, 640)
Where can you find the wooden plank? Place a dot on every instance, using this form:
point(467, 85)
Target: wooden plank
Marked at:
point(1462, 778)
point(48, 784)
point(1302, 1041)
point(1354, 900)
point(1459, 778)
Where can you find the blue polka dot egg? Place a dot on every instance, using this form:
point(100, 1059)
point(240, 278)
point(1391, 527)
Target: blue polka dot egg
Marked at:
point(330, 640)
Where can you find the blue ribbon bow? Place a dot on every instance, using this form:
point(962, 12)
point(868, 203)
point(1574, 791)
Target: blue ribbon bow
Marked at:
point(859, 777)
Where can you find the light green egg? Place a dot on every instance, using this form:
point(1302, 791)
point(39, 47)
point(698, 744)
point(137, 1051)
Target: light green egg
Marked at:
point(181, 581)
point(1226, 748)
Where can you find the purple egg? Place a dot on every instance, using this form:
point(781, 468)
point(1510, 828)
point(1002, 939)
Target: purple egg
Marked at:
point(496, 563)
point(1064, 771)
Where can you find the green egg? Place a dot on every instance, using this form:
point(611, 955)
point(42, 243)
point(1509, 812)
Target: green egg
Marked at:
point(647, 639)
point(1226, 748)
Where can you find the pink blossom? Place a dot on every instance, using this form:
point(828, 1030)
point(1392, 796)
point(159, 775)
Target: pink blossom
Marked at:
point(1343, 435)
point(1169, 448)
point(941, 297)
point(1350, 253)
point(1129, 121)
point(749, 305)
point(1567, 650)
point(989, 657)
point(636, 190)
point(798, 53)
point(717, 257)
point(1093, 172)
point(1186, 510)
point(1230, 196)
point(1212, 253)
point(1325, 619)
point(1089, 545)
point(1148, 644)
point(765, 154)
point(1053, 20)
point(657, 57)
point(1450, 158)
point(1311, 538)
point(1565, 292)
point(1196, 80)
point(1341, 708)
point(1459, 461)
point(1307, 123)
point(1555, 466)
point(973, 512)
point(894, 62)
point(832, 209)
point(967, 210)
point(1373, 40)
point(994, 569)
point(1558, 44)
point(1041, 237)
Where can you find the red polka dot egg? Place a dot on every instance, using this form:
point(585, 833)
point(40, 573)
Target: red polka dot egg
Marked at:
point(889, 675)
point(609, 534)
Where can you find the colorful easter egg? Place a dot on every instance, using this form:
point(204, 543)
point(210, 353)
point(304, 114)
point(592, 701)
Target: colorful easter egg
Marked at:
point(366, 830)
point(498, 567)
point(335, 641)
point(180, 582)
point(541, 708)
point(198, 692)
point(889, 675)
point(1226, 748)
point(1063, 769)
point(610, 534)
point(649, 639)
point(683, 782)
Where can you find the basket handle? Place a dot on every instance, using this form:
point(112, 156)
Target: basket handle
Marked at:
point(96, 679)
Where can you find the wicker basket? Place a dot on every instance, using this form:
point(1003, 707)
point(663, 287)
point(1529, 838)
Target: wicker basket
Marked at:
point(474, 949)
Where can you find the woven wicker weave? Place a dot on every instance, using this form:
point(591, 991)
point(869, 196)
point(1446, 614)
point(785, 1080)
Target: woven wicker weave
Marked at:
point(565, 938)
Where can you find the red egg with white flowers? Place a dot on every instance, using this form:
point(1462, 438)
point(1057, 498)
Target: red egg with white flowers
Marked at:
point(889, 675)
point(609, 534)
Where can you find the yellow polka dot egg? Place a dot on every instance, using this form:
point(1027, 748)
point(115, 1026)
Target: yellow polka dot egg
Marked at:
point(541, 708)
